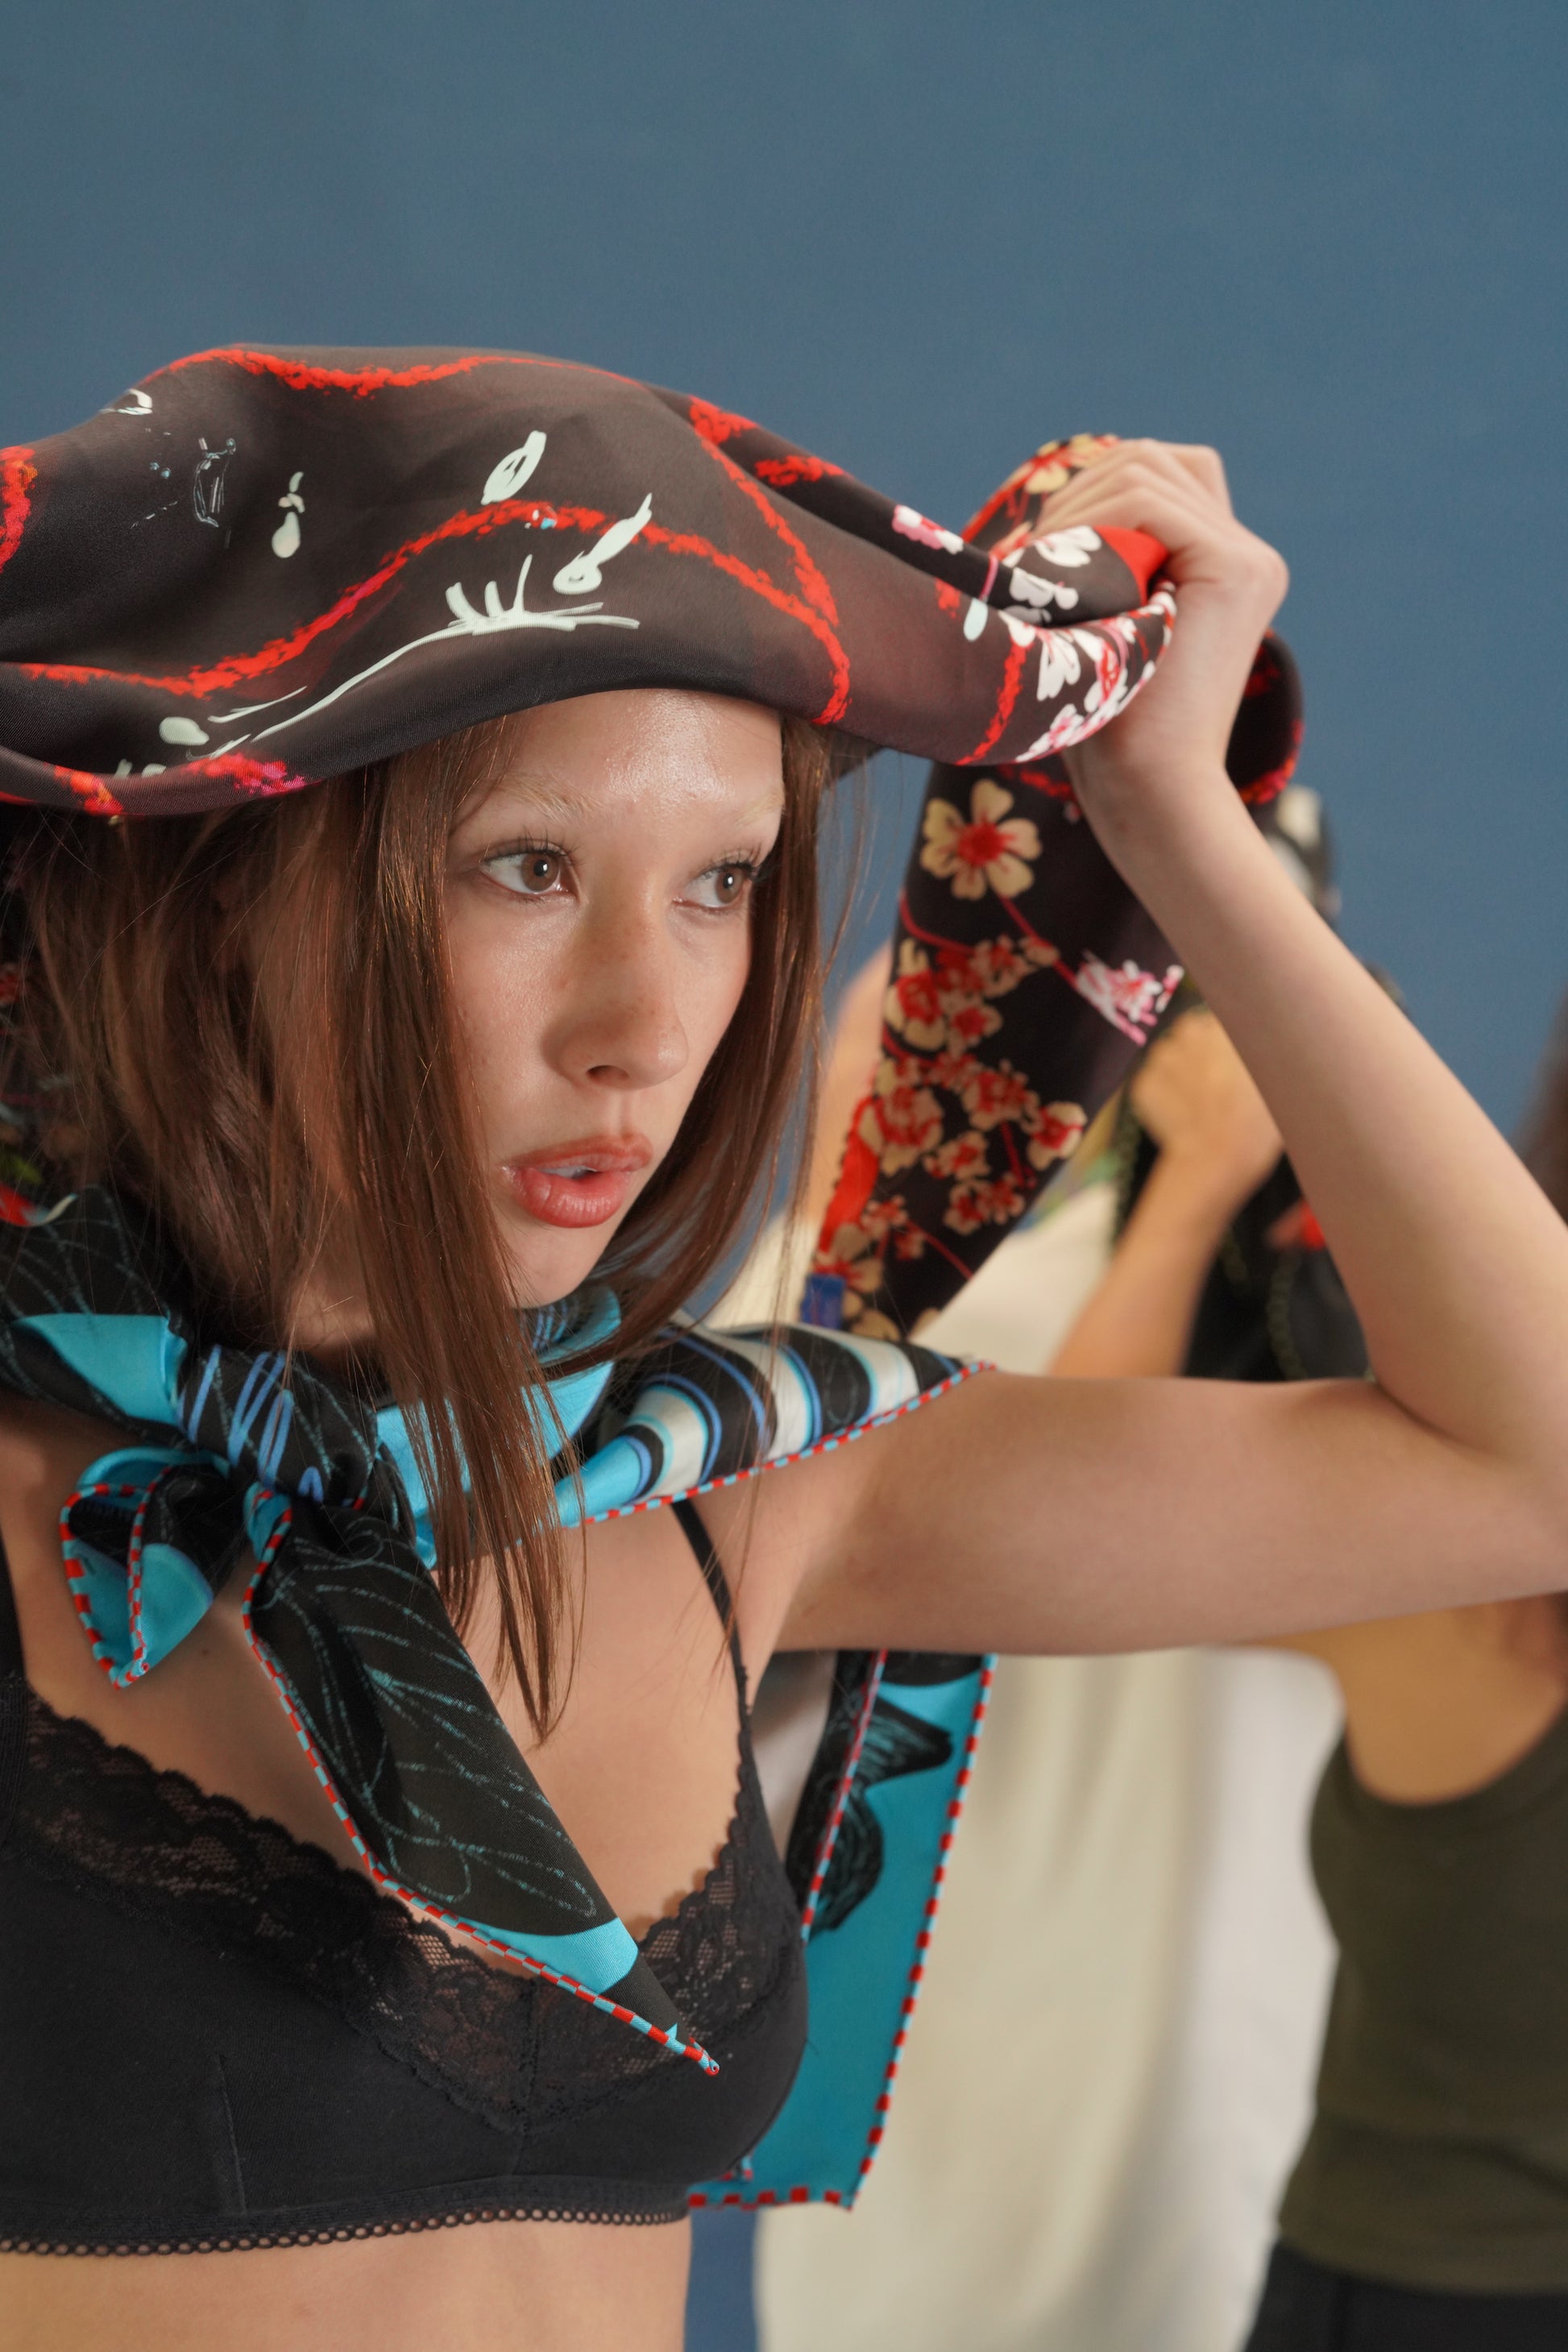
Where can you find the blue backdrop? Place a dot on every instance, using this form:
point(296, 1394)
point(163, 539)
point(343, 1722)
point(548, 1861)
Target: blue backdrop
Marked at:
point(919, 239)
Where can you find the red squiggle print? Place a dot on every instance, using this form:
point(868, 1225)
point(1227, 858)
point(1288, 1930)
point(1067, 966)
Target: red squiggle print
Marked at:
point(94, 794)
point(1272, 783)
point(684, 543)
point(857, 1177)
point(236, 669)
point(1142, 554)
point(303, 377)
point(715, 424)
point(1006, 699)
point(17, 475)
point(1015, 499)
point(930, 938)
point(779, 472)
point(1056, 788)
point(812, 586)
point(262, 778)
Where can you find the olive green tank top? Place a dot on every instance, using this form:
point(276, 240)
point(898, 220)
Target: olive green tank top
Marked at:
point(1439, 2157)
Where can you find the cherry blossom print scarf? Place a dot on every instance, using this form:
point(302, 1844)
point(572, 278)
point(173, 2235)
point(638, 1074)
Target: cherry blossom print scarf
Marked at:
point(1026, 981)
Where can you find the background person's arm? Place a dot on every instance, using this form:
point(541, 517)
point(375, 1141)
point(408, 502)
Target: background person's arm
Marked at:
point(1437, 1703)
point(1217, 1142)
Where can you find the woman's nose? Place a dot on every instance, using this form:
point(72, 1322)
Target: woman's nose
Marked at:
point(621, 1026)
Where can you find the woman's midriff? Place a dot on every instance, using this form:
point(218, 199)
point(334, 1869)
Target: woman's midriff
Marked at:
point(533, 2287)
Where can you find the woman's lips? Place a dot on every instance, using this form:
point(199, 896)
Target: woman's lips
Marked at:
point(584, 1184)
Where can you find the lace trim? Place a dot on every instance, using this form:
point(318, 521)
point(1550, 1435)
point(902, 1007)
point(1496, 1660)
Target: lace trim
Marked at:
point(585, 2201)
point(516, 2052)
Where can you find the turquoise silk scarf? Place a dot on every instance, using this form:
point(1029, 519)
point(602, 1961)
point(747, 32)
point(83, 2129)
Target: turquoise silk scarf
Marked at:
point(313, 1497)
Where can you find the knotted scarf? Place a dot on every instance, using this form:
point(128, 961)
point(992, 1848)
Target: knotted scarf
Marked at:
point(236, 1464)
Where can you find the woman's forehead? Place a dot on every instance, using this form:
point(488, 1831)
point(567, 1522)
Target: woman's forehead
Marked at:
point(574, 760)
point(650, 735)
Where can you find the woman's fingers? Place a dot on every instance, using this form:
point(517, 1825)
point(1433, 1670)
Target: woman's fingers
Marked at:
point(1228, 585)
point(1194, 470)
point(1130, 466)
point(1207, 468)
point(1203, 538)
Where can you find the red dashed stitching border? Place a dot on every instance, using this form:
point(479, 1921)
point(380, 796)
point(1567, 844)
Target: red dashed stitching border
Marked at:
point(782, 1461)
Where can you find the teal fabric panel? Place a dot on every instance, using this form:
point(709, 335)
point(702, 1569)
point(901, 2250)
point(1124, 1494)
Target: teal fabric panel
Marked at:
point(859, 1976)
point(132, 1359)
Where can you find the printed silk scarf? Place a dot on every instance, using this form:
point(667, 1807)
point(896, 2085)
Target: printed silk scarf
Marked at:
point(321, 1490)
point(256, 570)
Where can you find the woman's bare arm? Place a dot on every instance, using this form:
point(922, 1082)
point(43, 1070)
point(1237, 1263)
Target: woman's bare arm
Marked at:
point(1031, 1514)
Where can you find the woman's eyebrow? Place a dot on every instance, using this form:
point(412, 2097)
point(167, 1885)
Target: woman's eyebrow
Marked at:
point(541, 791)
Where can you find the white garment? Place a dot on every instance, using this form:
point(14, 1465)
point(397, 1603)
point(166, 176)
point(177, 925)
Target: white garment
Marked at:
point(1110, 2065)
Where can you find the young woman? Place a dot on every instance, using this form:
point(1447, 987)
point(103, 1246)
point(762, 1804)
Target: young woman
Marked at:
point(1428, 2210)
point(349, 1077)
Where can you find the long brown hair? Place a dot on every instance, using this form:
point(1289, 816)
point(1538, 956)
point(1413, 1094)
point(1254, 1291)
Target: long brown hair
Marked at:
point(340, 1131)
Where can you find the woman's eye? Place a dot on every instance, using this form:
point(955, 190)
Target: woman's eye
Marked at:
point(530, 872)
point(723, 885)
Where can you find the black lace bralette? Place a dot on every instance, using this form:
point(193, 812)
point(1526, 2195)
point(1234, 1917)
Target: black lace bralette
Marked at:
point(214, 2034)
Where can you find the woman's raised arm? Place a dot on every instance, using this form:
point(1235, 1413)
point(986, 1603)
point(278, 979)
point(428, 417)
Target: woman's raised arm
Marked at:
point(1038, 1515)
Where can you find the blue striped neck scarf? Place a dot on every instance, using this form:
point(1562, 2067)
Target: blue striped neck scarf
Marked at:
point(236, 1461)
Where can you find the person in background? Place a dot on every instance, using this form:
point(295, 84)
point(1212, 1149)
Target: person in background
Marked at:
point(1428, 2209)
point(1135, 2145)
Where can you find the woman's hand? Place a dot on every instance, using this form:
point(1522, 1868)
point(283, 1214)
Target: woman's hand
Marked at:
point(1194, 1094)
point(1166, 753)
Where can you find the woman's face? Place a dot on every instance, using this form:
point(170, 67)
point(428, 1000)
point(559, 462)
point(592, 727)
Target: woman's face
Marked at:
point(599, 926)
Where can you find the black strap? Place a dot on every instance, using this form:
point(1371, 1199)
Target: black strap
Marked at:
point(12, 1700)
point(713, 1577)
point(10, 1659)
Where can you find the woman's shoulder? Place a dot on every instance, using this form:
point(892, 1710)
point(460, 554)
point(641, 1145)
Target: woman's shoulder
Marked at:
point(44, 1449)
point(1440, 1706)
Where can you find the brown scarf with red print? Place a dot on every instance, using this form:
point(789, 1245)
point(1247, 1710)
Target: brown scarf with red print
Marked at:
point(259, 568)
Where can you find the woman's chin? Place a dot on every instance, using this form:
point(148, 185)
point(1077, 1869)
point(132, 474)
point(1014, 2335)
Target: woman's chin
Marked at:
point(548, 1267)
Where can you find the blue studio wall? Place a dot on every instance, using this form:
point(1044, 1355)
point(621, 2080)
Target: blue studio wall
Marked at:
point(919, 238)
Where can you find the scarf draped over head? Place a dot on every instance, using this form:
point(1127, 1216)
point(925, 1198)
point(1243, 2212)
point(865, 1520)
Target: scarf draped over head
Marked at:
point(257, 569)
